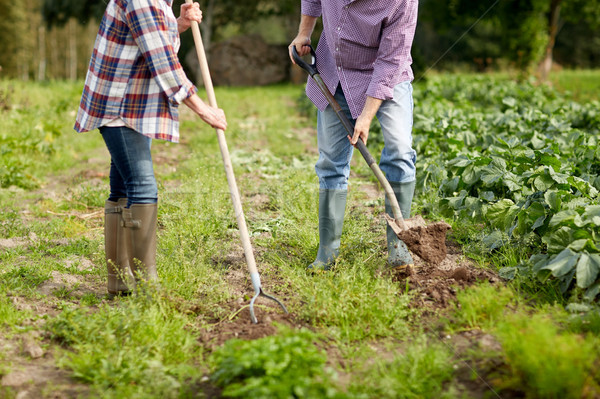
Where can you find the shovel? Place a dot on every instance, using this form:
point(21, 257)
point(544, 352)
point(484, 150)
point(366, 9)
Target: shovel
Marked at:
point(233, 189)
point(429, 242)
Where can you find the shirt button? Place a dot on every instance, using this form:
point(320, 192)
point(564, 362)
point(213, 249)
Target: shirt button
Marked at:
point(339, 68)
point(337, 49)
point(338, 28)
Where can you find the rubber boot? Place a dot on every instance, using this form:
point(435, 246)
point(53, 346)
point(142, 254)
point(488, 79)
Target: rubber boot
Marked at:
point(120, 278)
point(398, 254)
point(332, 206)
point(140, 222)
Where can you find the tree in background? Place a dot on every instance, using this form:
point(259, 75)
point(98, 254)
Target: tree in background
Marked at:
point(451, 34)
point(13, 25)
point(59, 12)
point(521, 32)
point(575, 11)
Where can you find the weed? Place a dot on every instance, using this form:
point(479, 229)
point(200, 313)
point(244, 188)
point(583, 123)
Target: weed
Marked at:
point(90, 299)
point(483, 306)
point(283, 366)
point(545, 362)
point(137, 349)
point(421, 370)
point(23, 278)
point(9, 315)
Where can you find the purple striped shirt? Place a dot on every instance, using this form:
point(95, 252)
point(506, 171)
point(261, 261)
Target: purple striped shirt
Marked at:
point(365, 46)
point(134, 73)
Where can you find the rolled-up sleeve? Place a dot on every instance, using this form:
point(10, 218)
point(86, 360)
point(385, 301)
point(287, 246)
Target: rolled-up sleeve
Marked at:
point(394, 51)
point(312, 8)
point(150, 31)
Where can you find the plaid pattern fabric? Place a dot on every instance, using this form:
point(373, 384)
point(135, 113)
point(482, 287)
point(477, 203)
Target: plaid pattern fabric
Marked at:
point(365, 46)
point(134, 72)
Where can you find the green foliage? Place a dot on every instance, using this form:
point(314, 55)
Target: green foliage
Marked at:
point(58, 12)
point(288, 365)
point(136, 349)
point(37, 133)
point(9, 315)
point(482, 306)
point(23, 278)
point(521, 161)
point(545, 362)
point(422, 369)
point(13, 25)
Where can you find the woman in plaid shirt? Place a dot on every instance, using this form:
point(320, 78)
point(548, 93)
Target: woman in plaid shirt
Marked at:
point(134, 86)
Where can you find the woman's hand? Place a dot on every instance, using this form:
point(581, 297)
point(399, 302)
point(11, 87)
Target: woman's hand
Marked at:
point(211, 115)
point(215, 117)
point(189, 13)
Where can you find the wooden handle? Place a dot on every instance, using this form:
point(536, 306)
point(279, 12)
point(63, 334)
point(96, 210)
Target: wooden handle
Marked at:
point(233, 189)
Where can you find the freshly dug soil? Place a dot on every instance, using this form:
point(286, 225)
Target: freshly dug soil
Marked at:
point(436, 284)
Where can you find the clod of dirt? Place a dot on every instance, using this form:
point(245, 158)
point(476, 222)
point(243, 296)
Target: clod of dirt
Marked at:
point(436, 285)
point(429, 242)
point(460, 274)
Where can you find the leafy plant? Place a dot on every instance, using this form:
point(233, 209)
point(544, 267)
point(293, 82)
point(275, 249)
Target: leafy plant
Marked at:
point(520, 160)
point(288, 365)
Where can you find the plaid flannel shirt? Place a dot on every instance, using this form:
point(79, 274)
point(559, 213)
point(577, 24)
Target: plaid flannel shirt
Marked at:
point(365, 46)
point(134, 73)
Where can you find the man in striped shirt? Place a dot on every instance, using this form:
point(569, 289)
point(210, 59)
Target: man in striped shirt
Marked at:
point(364, 58)
point(134, 86)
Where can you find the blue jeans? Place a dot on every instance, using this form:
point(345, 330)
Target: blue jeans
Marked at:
point(398, 158)
point(131, 171)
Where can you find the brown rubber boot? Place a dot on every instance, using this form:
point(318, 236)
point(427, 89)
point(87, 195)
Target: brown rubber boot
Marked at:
point(140, 221)
point(120, 277)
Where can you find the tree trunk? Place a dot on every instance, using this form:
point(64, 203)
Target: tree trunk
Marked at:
point(42, 62)
point(72, 50)
point(207, 25)
point(546, 64)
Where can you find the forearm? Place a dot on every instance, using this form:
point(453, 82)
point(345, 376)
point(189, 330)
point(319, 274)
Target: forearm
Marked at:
point(307, 25)
point(363, 122)
point(196, 104)
point(371, 107)
point(211, 115)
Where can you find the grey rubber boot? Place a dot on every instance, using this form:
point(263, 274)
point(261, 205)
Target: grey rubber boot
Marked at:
point(140, 220)
point(332, 206)
point(120, 278)
point(398, 254)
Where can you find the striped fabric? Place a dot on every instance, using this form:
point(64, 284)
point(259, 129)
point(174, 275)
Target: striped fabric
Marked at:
point(365, 46)
point(134, 72)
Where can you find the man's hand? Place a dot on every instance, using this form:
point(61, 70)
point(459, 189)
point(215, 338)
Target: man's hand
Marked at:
point(302, 40)
point(363, 123)
point(189, 13)
point(301, 43)
point(361, 129)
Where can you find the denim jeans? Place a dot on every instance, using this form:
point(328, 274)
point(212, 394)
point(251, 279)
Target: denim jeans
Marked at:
point(398, 158)
point(131, 171)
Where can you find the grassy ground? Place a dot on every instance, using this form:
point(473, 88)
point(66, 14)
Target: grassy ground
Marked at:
point(351, 333)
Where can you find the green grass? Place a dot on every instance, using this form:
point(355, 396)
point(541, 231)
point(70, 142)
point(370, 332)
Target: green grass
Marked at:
point(582, 85)
point(362, 327)
point(135, 350)
point(546, 362)
point(420, 369)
